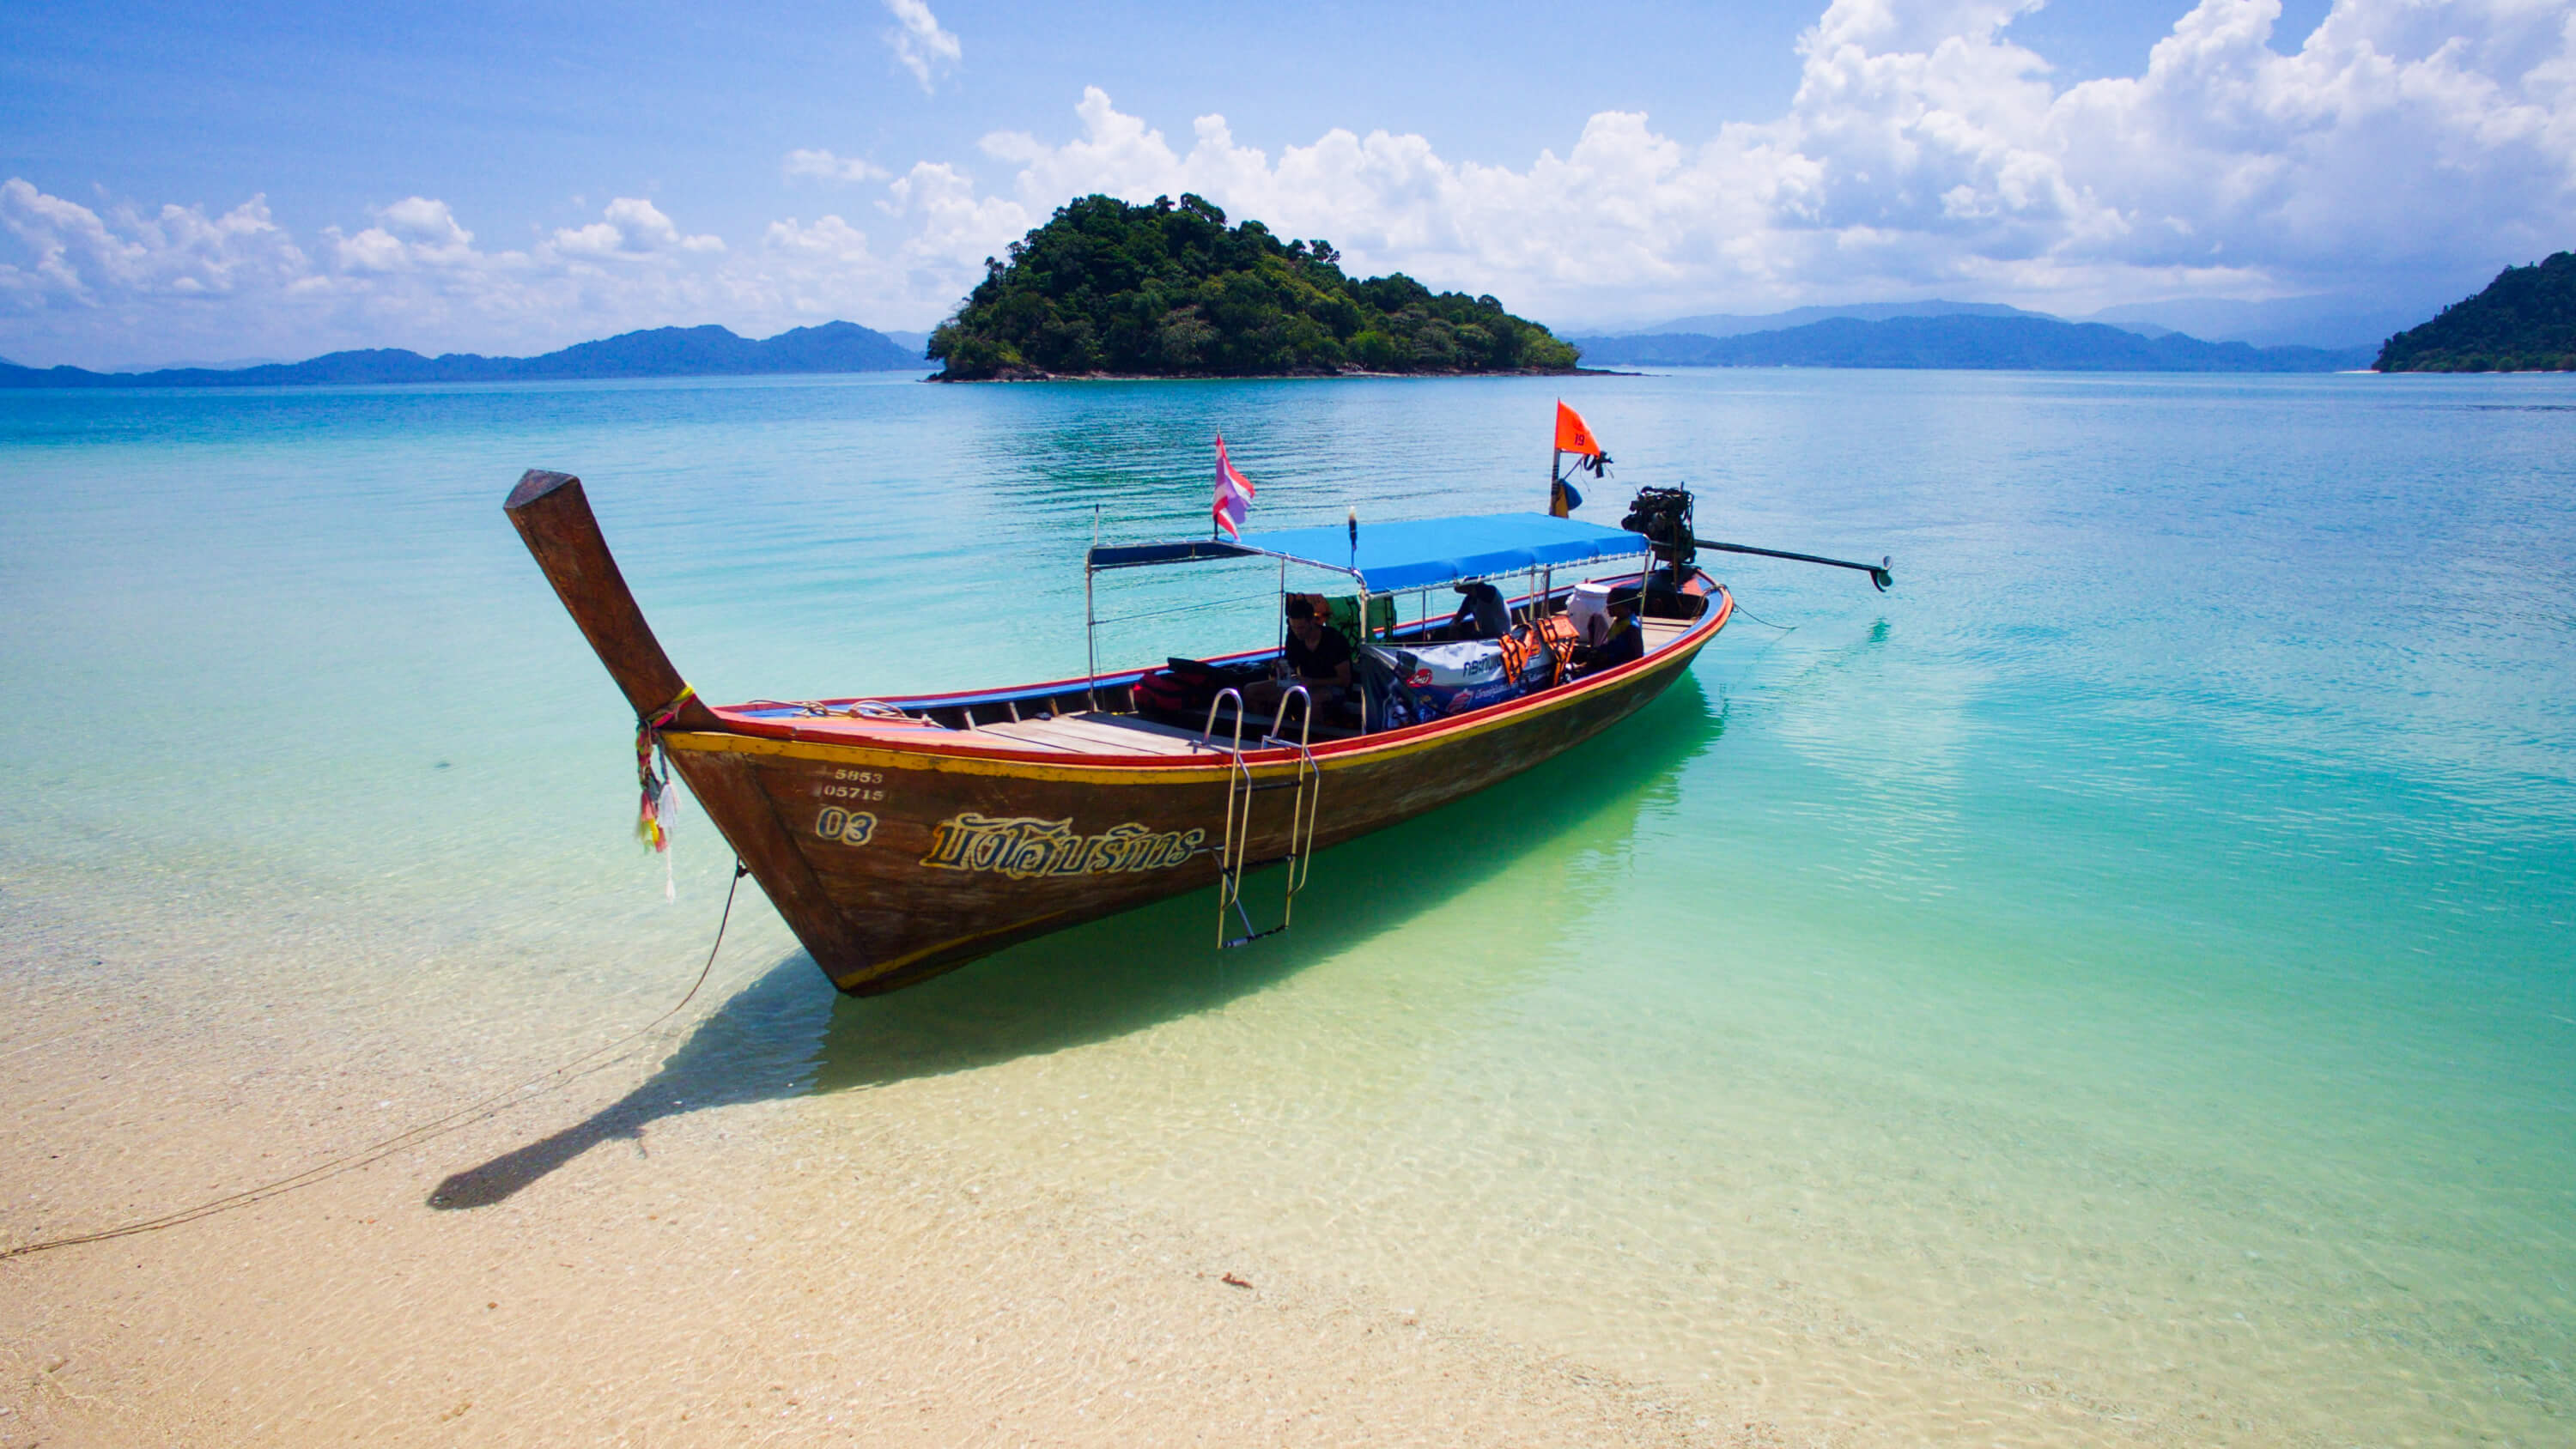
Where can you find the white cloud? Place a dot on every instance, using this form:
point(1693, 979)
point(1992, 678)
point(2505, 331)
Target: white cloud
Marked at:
point(829, 239)
point(96, 289)
point(949, 223)
point(631, 228)
point(181, 282)
point(824, 166)
point(925, 47)
point(818, 272)
point(74, 257)
point(1925, 153)
point(412, 233)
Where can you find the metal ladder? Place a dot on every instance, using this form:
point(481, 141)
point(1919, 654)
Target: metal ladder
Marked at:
point(1239, 790)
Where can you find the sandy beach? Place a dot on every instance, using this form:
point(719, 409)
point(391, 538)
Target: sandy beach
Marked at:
point(758, 1273)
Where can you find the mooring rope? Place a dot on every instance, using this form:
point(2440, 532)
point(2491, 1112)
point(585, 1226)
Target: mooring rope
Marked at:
point(1765, 623)
point(578, 1067)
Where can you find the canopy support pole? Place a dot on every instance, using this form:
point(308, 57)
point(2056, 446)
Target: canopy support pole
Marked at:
point(1091, 623)
point(1357, 687)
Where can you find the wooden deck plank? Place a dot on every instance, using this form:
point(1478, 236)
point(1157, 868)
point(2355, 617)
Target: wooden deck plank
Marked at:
point(1075, 735)
point(1140, 723)
point(1028, 732)
point(1103, 739)
point(1136, 736)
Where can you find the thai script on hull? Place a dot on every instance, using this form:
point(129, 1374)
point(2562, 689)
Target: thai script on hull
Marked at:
point(1025, 847)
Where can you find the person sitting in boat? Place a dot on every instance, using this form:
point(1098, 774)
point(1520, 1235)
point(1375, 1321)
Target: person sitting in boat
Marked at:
point(1619, 640)
point(1317, 657)
point(1481, 614)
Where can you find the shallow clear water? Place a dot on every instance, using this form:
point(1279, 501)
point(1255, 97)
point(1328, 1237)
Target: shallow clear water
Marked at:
point(2125, 970)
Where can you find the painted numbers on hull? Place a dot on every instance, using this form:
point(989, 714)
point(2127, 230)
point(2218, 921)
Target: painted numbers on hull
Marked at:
point(849, 827)
point(852, 785)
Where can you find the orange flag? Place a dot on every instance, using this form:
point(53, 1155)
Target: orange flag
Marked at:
point(1571, 435)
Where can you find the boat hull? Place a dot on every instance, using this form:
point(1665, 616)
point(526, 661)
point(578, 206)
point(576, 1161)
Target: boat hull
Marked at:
point(913, 860)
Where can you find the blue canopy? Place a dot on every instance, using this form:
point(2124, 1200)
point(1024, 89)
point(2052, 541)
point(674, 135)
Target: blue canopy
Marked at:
point(1412, 554)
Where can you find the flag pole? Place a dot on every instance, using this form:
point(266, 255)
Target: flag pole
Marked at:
point(1556, 471)
point(1091, 622)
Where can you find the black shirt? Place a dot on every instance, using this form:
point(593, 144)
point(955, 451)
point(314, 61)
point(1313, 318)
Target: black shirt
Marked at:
point(1330, 652)
point(1481, 614)
point(1626, 642)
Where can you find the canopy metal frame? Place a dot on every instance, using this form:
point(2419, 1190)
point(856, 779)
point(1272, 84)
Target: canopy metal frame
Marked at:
point(1547, 543)
point(1091, 620)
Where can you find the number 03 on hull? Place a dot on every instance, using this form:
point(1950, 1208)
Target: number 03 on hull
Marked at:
point(903, 835)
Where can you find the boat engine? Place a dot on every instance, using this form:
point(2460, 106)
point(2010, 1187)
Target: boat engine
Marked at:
point(1663, 515)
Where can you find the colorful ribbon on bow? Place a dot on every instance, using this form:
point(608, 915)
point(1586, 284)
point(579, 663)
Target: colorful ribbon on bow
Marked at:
point(660, 797)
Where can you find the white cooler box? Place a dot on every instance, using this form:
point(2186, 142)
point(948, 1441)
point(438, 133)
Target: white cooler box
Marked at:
point(1589, 609)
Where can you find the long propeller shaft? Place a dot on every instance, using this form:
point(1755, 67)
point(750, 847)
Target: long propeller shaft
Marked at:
point(1879, 575)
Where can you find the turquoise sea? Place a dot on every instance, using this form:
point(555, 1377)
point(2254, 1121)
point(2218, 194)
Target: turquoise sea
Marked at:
point(2120, 986)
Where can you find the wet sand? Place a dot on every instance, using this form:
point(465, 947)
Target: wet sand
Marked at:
point(575, 1270)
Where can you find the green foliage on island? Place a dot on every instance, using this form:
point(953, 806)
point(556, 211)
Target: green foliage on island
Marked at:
point(2525, 321)
point(1169, 290)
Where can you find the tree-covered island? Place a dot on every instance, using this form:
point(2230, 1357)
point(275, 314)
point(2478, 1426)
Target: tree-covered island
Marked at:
point(2525, 321)
point(1169, 290)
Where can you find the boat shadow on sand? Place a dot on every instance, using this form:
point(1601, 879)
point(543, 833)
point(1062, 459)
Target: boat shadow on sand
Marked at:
point(790, 1034)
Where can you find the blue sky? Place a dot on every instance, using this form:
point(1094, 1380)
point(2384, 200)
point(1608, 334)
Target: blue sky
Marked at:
point(192, 181)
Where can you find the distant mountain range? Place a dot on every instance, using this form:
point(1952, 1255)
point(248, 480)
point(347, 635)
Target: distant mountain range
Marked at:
point(1985, 338)
point(1731, 324)
point(1932, 334)
point(2327, 322)
point(661, 352)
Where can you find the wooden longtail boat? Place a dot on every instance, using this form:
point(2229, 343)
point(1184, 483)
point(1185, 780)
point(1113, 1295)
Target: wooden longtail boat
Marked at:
point(903, 835)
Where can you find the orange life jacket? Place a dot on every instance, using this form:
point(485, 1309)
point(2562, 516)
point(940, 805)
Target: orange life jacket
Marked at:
point(1553, 634)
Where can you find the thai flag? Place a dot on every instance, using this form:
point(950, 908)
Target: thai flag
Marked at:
point(1233, 493)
